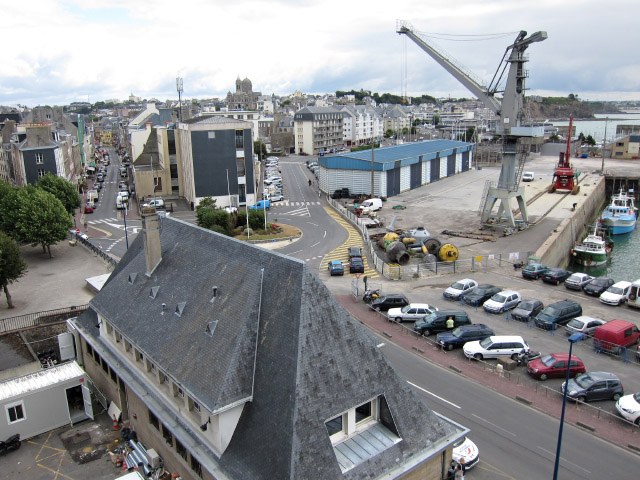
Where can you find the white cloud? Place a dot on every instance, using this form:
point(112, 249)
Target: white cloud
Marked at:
point(61, 51)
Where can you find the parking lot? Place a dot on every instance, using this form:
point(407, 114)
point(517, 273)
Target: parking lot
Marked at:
point(545, 341)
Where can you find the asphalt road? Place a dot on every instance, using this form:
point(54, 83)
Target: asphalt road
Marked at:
point(515, 441)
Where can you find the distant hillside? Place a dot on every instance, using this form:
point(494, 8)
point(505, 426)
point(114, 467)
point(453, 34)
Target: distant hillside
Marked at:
point(561, 108)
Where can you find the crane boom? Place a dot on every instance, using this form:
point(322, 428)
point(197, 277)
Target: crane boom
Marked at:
point(474, 87)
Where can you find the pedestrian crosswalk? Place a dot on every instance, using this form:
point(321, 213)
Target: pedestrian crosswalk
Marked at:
point(287, 203)
point(104, 220)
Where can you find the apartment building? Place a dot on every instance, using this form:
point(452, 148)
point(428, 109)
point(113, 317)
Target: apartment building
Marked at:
point(318, 129)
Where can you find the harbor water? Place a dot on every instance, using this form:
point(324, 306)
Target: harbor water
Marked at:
point(624, 262)
point(596, 128)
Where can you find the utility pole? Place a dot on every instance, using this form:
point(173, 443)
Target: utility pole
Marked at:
point(373, 147)
point(180, 90)
point(604, 144)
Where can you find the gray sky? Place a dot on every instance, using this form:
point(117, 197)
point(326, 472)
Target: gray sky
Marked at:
point(58, 52)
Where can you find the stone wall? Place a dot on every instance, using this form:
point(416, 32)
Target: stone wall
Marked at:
point(555, 250)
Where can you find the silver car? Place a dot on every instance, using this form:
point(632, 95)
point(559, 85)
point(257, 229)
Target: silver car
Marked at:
point(411, 312)
point(583, 324)
point(577, 281)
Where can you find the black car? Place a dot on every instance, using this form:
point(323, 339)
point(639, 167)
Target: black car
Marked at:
point(394, 300)
point(558, 313)
point(463, 334)
point(527, 309)
point(357, 265)
point(594, 386)
point(556, 275)
point(598, 286)
point(355, 252)
point(481, 294)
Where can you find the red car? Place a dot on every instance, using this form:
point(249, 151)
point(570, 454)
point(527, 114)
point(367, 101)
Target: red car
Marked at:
point(554, 365)
point(88, 208)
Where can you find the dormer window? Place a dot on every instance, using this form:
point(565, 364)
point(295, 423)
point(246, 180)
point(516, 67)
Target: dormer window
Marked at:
point(371, 424)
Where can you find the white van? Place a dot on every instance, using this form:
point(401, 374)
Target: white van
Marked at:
point(634, 295)
point(120, 202)
point(371, 205)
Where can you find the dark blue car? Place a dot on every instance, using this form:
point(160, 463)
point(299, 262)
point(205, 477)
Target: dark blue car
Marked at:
point(463, 334)
point(336, 268)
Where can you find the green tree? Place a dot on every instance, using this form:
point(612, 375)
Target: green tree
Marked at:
point(260, 149)
point(436, 119)
point(469, 134)
point(256, 219)
point(590, 140)
point(13, 198)
point(42, 220)
point(203, 210)
point(405, 131)
point(62, 189)
point(12, 265)
point(389, 133)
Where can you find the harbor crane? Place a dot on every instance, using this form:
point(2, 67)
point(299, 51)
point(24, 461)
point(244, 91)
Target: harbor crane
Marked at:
point(509, 109)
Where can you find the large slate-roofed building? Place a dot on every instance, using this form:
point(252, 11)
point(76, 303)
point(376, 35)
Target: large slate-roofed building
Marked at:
point(236, 362)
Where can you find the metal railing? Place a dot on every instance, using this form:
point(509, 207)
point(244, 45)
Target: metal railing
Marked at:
point(98, 251)
point(29, 320)
point(426, 269)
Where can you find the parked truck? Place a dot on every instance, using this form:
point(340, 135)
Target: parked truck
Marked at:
point(260, 205)
point(92, 196)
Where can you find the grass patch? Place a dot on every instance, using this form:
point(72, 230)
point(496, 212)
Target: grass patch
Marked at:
point(285, 232)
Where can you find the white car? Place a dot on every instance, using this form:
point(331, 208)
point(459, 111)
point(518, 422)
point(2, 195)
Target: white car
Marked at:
point(459, 289)
point(503, 301)
point(158, 203)
point(577, 281)
point(616, 294)
point(629, 407)
point(230, 209)
point(528, 177)
point(496, 346)
point(467, 450)
point(276, 197)
point(411, 312)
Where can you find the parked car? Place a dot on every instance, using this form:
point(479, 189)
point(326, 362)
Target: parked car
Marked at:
point(558, 313)
point(158, 203)
point(583, 324)
point(465, 449)
point(528, 177)
point(459, 289)
point(554, 365)
point(276, 197)
point(615, 336)
point(616, 294)
point(88, 207)
point(463, 334)
point(336, 268)
point(437, 321)
point(260, 205)
point(480, 294)
point(587, 387)
point(355, 252)
point(411, 312)
point(230, 209)
point(356, 265)
point(629, 407)
point(534, 270)
point(556, 275)
point(496, 346)
point(527, 309)
point(503, 301)
point(597, 286)
point(577, 281)
point(394, 300)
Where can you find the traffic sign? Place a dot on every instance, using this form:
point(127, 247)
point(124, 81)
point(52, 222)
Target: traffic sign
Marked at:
point(357, 275)
point(77, 231)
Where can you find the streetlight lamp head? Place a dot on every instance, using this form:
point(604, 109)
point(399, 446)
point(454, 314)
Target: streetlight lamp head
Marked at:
point(576, 337)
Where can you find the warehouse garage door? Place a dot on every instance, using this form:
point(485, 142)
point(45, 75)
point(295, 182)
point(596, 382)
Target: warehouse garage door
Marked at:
point(393, 182)
point(416, 175)
point(451, 165)
point(435, 169)
point(465, 161)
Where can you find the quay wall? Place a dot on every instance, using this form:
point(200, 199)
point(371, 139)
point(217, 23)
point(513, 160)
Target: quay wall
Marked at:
point(555, 250)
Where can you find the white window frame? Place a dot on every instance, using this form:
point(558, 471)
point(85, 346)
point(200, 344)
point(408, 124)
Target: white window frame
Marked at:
point(349, 425)
point(39, 159)
point(12, 405)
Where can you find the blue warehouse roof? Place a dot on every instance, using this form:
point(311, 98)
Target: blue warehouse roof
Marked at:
point(387, 158)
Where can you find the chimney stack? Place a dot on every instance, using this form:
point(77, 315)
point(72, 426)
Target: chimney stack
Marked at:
point(151, 235)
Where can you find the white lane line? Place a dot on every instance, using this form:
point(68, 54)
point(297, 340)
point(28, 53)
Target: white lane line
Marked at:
point(433, 394)
point(562, 459)
point(493, 425)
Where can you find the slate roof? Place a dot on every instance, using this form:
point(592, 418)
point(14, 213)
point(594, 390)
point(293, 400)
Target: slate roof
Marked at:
point(281, 338)
point(212, 119)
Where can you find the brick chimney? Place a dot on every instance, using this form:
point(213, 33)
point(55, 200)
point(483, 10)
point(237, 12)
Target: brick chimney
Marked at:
point(151, 235)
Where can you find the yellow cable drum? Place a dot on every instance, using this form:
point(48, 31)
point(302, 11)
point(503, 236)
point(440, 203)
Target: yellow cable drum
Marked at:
point(448, 253)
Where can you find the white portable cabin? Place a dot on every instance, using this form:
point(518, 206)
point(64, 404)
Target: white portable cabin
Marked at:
point(634, 295)
point(44, 400)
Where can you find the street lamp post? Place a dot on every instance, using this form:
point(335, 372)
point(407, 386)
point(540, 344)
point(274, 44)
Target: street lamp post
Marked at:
point(575, 338)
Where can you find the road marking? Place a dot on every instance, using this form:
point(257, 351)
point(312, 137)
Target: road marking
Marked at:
point(433, 395)
point(562, 459)
point(493, 425)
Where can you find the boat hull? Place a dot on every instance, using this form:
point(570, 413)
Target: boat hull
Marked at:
point(618, 226)
point(589, 259)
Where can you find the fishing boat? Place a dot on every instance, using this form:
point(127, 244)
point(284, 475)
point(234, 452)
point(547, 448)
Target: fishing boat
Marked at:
point(593, 250)
point(620, 216)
